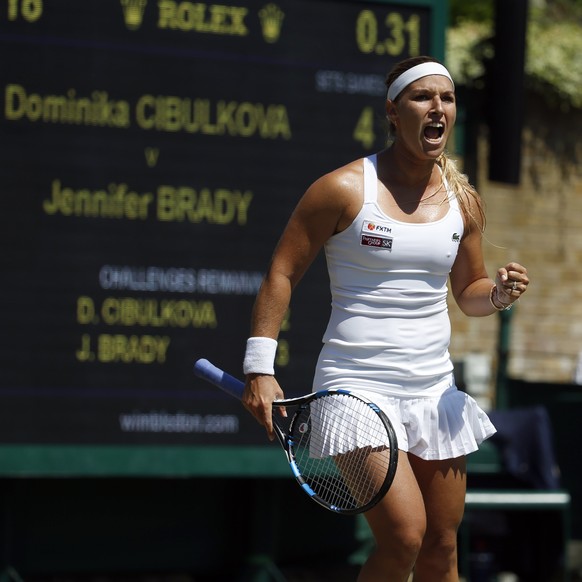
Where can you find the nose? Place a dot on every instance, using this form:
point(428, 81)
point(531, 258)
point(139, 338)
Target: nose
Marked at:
point(437, 105)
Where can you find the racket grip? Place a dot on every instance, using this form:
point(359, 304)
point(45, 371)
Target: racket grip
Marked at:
point(209, 372)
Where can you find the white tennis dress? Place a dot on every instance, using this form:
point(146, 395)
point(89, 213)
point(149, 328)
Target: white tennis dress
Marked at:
point(389, 329)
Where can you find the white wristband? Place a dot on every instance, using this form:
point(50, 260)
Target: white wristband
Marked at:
point(260, 356)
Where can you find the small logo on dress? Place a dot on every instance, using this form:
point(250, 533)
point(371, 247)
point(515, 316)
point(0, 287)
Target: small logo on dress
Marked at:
point(376, 227)
point(271, 17)
point(133, 12)
point(456, 237)
point(376, 241)
point(376, 234)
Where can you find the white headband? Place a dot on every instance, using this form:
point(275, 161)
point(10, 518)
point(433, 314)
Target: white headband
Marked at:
point(415, 73)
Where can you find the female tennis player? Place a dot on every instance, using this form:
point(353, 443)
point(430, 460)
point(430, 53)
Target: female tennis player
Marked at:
point(395, 227)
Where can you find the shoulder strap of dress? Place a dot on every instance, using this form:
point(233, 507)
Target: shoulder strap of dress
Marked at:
point(370, 179)
point(453, 201)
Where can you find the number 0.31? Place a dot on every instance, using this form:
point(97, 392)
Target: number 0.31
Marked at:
point(395, 36)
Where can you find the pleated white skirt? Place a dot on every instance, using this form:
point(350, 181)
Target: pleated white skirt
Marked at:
point(444, 427)
point(434, 422)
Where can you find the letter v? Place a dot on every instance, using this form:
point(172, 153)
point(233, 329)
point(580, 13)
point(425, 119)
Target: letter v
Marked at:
point(151, 156)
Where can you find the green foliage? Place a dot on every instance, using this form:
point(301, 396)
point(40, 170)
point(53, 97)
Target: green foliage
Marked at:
point(461, 10)
point(554, 45)
point(468, 47)
point(561, 9)
point(553, 64)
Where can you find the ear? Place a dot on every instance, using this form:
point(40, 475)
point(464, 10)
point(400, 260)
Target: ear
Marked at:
point(391, 111)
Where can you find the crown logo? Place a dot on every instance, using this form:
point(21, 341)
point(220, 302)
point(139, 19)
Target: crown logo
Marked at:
point(133, 12)
point(271, 17)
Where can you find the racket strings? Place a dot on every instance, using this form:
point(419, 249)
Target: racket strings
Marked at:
point(342, 450)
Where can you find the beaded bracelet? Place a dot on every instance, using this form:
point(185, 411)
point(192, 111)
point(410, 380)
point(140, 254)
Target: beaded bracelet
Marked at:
point(504, 307)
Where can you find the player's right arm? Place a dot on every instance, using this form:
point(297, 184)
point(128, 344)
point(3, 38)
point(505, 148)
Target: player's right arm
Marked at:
point(323, 210)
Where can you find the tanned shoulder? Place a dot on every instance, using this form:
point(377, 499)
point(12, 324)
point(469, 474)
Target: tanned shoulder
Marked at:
point(340, 192)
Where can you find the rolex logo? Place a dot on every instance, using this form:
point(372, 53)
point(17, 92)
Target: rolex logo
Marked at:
point(271, 17)
point(133, 12)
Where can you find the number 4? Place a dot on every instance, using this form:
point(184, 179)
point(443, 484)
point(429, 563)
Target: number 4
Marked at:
point(364, 130)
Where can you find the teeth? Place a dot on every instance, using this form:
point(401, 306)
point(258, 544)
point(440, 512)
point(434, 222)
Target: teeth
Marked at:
point(435, 124)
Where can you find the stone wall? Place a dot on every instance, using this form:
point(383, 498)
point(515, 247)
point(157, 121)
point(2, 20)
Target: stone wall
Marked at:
point(539, 224)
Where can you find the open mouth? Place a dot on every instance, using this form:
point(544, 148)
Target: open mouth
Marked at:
point(434, 131)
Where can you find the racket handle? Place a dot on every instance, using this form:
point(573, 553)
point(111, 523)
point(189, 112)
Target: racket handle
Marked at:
point(209, 372)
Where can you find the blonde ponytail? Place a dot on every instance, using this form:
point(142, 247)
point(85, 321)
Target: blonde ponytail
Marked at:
point(468, 197)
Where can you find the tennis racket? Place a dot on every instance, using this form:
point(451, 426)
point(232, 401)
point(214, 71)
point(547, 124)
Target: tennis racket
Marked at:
point(341, 447)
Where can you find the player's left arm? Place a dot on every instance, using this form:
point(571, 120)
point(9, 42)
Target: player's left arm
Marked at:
point(471, 285)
